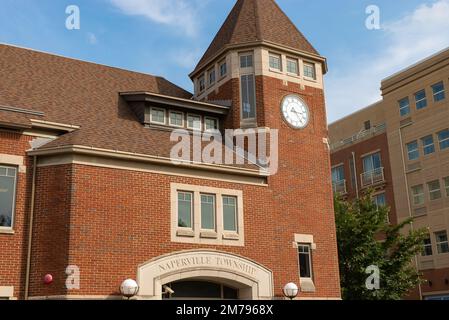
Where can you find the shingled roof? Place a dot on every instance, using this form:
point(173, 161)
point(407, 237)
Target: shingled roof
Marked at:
point(256, 20)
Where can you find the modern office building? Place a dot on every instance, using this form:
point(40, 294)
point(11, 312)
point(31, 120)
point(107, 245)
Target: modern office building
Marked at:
point(400, 146)
point(90, 194)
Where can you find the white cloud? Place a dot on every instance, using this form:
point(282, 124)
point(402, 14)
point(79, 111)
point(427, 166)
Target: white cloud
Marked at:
point(186, 58)
point(181, 14)
point(92, 38)
point(406, 41)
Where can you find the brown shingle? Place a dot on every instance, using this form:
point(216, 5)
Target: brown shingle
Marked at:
point(256, 20)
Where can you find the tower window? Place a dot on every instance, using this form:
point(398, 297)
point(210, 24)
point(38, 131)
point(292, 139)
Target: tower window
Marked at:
point(305, 260)
point(309, 70)
point(246, 60)
point(201, 83)
point(223, 69)
point(275, 62)
point(248, 97)
point(292, 66)
point(211, 73)
point(8, 179)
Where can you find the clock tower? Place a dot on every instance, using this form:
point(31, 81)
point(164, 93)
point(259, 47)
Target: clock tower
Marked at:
point(270, 75)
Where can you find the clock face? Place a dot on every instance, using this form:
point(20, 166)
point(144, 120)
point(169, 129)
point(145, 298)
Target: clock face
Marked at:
point(295, 112)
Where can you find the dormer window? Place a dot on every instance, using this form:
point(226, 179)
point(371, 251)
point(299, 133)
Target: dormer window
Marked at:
point(223, 69)
point(158, 116)
point(194, 122)
point(210, 124)
point(211, 73)
point(176, 119)
point(202, 83)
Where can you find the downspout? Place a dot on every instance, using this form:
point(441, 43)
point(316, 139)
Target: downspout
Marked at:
point(356, 178)
point(409, 203)
point(30, 229)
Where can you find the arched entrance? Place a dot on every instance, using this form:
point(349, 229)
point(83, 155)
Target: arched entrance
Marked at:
point(208, 270)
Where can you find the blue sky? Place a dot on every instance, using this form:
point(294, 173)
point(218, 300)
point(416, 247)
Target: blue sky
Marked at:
point(168, 37)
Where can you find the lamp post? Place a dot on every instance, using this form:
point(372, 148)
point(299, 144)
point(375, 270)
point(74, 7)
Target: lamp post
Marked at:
point(129, 288)
point(291, 291)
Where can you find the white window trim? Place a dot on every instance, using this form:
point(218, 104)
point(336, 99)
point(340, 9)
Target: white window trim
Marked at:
point(413, 150)
point(314, 68)
point(246, 54)
point(428, 245)
point(214, 229)
point(442, 141)
point(420, 100)
point(446, 185)
point(185, 231)
point(194, 115)
point(424, 146)
point(157, 122)
point(220, 64)
point(298, 73)
point(440, 243)
point(254, 119)
point(307, 284)
point(419, 195)
point(211, 118)
point(202, 77)
point(404, 107)
point(169, 119)
point(209, 72)
point(437, 93)
point(207, 237)
point(434, 190)
point(277, 55)
point(236, 218)
point(10, 230)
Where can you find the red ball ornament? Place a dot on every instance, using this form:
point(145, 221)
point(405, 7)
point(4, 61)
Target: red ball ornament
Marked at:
point(48, 279)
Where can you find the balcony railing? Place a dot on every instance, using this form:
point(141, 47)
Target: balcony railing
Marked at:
point(339, 187)
point(373, 177)
point(363, 134)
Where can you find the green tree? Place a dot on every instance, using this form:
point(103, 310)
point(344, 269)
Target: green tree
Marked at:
point(365, 238)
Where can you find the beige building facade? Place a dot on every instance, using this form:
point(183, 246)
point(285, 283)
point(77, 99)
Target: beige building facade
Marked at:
point(414, 114)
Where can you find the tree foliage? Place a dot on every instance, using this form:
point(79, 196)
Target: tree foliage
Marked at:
point(365, 238)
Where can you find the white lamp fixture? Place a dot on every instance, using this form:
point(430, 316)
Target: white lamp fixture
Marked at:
point(129, 288)
point(291, 291)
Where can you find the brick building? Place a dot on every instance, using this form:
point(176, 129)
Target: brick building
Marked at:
point(89, 191)
point(400, 147)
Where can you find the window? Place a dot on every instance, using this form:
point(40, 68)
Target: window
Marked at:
point(404, 107)
point(246, 61)
point(427, 251)
point(309, 70)
point(442, 242)
point(157, 116)
point(446, 185)
point(201, 83)
point(305, 260)
point(421, 100)
point(223, 69)
point(413, 150)
point(434, 190)
point(210, 124)
point(292, 66)
point(275, 62)
point(230, 213)
point(193, 122)
point(338, 174)
point(428, 145)
point(372, 163)
point(418, 195)
point(443, 138)
point(367, 125)
point(176, 119)
point(8, 180)
point(185, 209)
point(438, 92)
point(207, 212)
point(380, 200)
point(211, 73)
point(248, 97)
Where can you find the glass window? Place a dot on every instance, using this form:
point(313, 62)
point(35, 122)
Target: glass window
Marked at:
point(194, 122)
point(185, 209)
point(248, 97)
point(176, 119)
point(428, 145)
point(305, 260)
point(309, 70)
point(210, 124)
point(223, 69)
point(292, 66)
point(246, 61)
point(380, 200)
point(211, 76)
point(413, 150)
point(442, 242)
point(427, 251)
point(404, 107)
point(201, 83)
point(158, 115)
point(434, 190)
point(418, 195)
point(446, 185)
point(275, 61)
point(443, 138)
point(438, 92)
point(372, 163)
point(338, 174)
point(421, 100)
point(8, 179)
point(230, 213)
point(207, 212)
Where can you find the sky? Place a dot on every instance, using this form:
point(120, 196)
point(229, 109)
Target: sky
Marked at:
point(168, 37)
